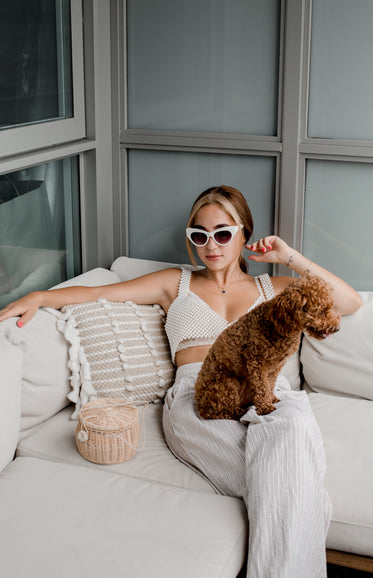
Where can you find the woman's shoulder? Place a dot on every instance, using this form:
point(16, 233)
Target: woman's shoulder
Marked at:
point(280, 283)
point(158, 286)
point(168, 278)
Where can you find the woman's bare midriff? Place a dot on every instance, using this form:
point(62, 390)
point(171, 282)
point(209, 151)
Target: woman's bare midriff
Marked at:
point(192, 355)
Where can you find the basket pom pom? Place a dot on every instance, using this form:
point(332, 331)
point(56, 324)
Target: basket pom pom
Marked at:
point(82, 436)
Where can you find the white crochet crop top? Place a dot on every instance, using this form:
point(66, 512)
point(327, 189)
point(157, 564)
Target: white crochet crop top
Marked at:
point(191, 321)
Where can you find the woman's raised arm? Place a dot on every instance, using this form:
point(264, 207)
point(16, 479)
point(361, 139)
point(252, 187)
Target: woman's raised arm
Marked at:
point(272, 249)
point(159, 287)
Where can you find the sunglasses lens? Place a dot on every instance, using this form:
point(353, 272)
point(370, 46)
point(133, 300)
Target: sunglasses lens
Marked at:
point(198, 238)
point(223, 237)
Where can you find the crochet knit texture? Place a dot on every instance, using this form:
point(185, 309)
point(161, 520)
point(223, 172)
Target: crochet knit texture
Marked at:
point(116, 350)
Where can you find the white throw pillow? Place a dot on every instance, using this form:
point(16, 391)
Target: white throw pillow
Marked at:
point(343, 363)
point(291, 371)
point(117, 350)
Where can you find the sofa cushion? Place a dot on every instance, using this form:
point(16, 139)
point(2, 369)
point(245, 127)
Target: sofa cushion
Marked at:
point(55, 440)
point(347, 430)
point(92, 278)
point(117, 350)
point(45, 379)
point(343, 363)
point(10, 397)
point(72, 521)
point(129, 268)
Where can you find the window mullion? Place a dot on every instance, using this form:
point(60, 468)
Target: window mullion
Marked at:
point(292, 167)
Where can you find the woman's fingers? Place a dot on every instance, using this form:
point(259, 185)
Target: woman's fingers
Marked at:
point(25, 308)
point(261, 246)
point(26, 317)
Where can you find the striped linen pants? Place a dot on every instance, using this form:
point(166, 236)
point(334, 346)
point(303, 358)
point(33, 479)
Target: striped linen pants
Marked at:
point(276, 463)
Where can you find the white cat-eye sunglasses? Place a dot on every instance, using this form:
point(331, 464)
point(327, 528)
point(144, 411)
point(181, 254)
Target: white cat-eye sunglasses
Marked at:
point(222, 236)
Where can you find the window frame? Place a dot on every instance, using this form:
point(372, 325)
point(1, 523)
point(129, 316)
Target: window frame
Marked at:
point(292, 147)
point(43, 134)
point(194, 141)
point(298, 147)
point(95, 142)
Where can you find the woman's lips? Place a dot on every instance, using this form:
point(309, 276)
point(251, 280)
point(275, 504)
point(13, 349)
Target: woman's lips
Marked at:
point(213, 257)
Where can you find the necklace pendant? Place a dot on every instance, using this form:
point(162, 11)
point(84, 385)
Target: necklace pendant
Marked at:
point(223, 291)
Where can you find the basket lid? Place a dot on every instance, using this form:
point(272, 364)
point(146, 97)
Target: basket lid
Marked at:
point(108, 414)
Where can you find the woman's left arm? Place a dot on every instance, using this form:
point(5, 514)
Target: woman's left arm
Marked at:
point(272, 249)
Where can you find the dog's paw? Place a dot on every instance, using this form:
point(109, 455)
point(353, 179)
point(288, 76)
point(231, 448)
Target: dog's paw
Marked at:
point(265, 409)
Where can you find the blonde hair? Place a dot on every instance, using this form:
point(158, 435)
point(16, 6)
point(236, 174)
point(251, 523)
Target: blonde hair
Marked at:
point(234, 204)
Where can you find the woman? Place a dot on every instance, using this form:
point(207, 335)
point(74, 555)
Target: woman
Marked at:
point(276, 464)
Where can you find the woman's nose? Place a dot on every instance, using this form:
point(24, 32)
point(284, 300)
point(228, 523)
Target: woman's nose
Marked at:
point(211, 244)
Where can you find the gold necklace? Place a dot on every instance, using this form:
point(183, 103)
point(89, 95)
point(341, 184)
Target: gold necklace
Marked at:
point(220, 287)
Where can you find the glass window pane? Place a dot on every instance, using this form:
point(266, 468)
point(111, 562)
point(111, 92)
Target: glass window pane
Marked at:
point(341, 78)
point(203, 66)
point(338, 219)
point(35, 62)
point(164, 185)
point(39, 228)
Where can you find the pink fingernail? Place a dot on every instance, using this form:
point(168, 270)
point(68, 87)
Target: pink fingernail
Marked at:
point(264, 249)
point(20, 323)
point(269, 246)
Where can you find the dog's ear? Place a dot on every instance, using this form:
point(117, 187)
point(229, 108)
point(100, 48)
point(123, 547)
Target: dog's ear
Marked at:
point(289, 306)
point(303, 301)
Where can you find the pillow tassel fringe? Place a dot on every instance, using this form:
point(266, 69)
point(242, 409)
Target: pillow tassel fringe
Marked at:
point(80, 379)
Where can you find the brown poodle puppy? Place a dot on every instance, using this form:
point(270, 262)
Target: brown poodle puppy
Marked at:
point(242, 366)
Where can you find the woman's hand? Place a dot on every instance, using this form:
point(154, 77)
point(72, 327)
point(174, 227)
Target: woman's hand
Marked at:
point(24, 308)
point(271, 249)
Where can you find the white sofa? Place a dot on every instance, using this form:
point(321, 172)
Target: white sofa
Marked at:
point(153, 516)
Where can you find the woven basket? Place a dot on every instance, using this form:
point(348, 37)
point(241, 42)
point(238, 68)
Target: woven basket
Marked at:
point(108, 431)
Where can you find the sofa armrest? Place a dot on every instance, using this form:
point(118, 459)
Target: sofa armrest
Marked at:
point(45, 375)
point(11, 361)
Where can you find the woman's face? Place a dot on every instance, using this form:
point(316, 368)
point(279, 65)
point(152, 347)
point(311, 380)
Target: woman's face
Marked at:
point(214, 256)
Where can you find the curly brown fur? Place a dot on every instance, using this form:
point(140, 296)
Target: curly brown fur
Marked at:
point(242, 366)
